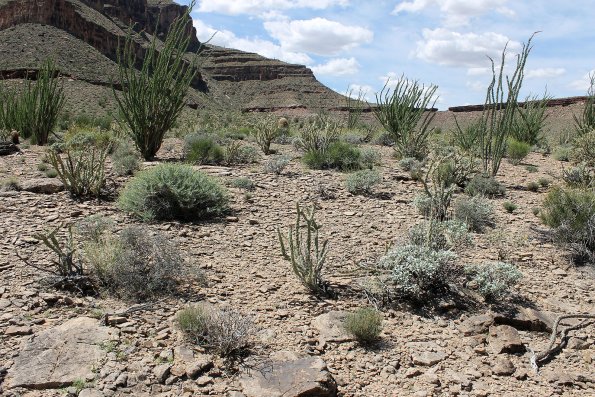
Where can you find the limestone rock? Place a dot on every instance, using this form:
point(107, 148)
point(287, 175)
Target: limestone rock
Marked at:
point(290, 376)
point(503, 366)
point(330, 327)
point(505, 339)
point(161, 372)
point(90, 393)
point(527, 319)
point(428, 358)
point(476, 324)
point(60, 355)
point(42, 185)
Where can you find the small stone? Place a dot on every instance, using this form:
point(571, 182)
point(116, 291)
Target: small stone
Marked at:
point(413, 372)
point(90, 393)
point(161, 372)
point(204, 380)
point(503, 366)
point(122, 380)
point(505, 339)
point(428, 358)
point(17, 331)
point(42, 185)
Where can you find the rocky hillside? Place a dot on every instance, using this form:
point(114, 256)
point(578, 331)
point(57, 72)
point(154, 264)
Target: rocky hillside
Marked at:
point(82, 36)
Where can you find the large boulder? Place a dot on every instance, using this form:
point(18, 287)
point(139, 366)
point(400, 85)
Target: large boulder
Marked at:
point(287, 375)
point(42, 185)
point(59, 356)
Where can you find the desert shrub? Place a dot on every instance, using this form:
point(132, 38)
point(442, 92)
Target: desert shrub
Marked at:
point(265, 131)
point(585, 123)
point(562, 153)
point(276, 165)
point(365, 324)
point(570, 212)
point(302, 248)
point(51, 173)
point(9, 184)
point(125, 159)
point(93, 227)
point(223, 331)
point(467, 139)
point(317, 135)
point(134, 264)
point(529, 120)
point(580, 176)
point(369, 157)
point(153, 97)
point(362, 182)
point(509, 206)
point(439, 186)
point(494, 279)
point(417, 271)
point(517, 151)
point(531, 168)
point(477, 212)
point(42, 167)
point(201, 149)
point(237, 153)
point(403, 114)
point(533, 186)
point(484, 186)
point(536, 211)
point(34, 111)
point(173, 191)
point(440, 236)
point(583, 149)
point(409, 163)
point(80, 162)
point(243, 183)
point(459, 165)
point(339, 155)
point(544, 182)
point(384, 139)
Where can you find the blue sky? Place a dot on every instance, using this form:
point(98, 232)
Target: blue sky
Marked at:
point(358, 44)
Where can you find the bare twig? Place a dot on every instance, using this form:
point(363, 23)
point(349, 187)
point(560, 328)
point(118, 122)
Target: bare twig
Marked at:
point(131, 309)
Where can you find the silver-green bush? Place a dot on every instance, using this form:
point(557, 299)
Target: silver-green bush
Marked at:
point(362, 182)
point(494, 279)
point(441, 236)
point(365, 324)
point(477, 212)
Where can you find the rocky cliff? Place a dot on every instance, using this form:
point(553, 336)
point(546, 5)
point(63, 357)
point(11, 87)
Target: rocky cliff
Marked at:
point(82, 36)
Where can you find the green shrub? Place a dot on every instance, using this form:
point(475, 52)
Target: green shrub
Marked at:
point(467, 139)
point(531, 168)
point(583, 149)
point(243, 183)
point(440, 236)
point(477, 212)
point(265, 131)
point(529, 120)
point(42, 167)
point(223, 331)
point(369, 157)
point(200, 149)
point(173, 191)
point(339, 155)
point(238, 153)
point(570, 212)
point(317, 135)
point(409, 163)
point(517, 151)
point(533, 186)
point(418, 271)
point(365, 324)
point(362, 182)
point(544, 182)
point(276, 165)
point(80, 162)
point(535, 211)
point(51, 173)
point(125, 159)
point(153, 97)
point(10, 184)
point(509, 206)
point(439, 186)
point(562, 153)
point(402, 113)
point(134, 264)
point(303, 249)
point(494, 279)
point(484, 186)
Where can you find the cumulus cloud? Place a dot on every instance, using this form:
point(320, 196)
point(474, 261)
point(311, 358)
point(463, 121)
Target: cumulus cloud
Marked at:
point(456, 12)
point(337, 67)
point(318, 35)
point(257, 7)
point(583, 84)
point(226, 38)
point(469, 50)
point(544, 73)
point(366, 91)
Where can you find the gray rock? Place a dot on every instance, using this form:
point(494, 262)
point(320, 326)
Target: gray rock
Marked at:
point(505, 339)
point(476, 324)
point(15, 331)
point(428, 358)
point(330, 327)
point(42, 185)
point(290, 376)
point(527, 319)
point(90, 393)
point(503, 366)
point(60, 355)
point(161, 372)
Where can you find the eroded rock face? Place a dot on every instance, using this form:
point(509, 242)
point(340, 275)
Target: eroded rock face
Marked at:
point(42, 185)
point(287, 375)
point(59, 356)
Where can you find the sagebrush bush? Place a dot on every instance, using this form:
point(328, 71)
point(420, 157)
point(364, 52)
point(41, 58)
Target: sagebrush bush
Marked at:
point(276, 165)
point(484, 186)
point(441, 236)
point(365, 324)
point(494, 279)
point(362, 182)
point(265, 131)
point(339, 155)
point(317, 135)
point(570, 212)
point(9, 184)
point(583, 149)
point(409, 163)
point(533, 186)
point(135, 264)
point(369, 157)
point(201, 149)
point(562, 153)
point(509, 206)
point(223, 331)
point(173, 191)
point(418, 271)
point(243, 183)
point(125, 159)
point(477, 212)
point(580, 176)
point(517, 151)
point(237, 153)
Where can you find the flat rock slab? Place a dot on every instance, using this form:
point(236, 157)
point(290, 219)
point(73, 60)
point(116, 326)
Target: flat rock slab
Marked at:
point(476, 325)
point(60, 355)
point(330, 327)
point(42, 185)
point(289, 376)
point(505, 339)
point(427, 358)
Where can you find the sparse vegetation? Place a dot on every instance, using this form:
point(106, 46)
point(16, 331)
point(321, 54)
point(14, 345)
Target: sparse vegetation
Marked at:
point(365, 324)
point(517, 151)
point(125, 159)
point(509, 206)
point(200, 149)
point(243, 183)
point(529, 120)
point(493, 280)
point(362, 182)
point(276, 165)
point(484, 186)
point(338, 155)
point(477, 212)
point(10, 184)
point(173, 191)
point(451, 235)
point(265, 131)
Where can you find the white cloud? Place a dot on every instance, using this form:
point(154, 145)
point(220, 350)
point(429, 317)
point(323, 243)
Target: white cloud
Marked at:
point(318, 35)
point(366, 91)
point(469, 50)
point(478, 71)
point(337, 67)
point(226, 38)
point(477, 86)
point(257, 7)
point(456, 12)
point(583, 84)
point(544, 73)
